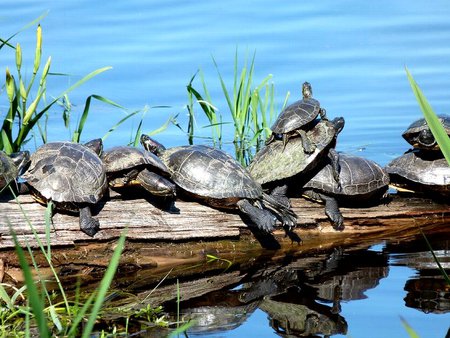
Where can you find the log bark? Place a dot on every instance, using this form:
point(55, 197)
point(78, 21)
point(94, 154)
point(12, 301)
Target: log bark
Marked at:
point(161, 238)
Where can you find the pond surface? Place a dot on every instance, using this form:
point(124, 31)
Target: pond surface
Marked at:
point(352, 52)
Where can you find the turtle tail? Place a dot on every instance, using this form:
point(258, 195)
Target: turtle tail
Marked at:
point(279, 204)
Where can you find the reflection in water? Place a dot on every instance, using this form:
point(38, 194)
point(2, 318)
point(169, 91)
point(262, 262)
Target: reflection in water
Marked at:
point(428, 294)
point(428, 291)
point(301, 298)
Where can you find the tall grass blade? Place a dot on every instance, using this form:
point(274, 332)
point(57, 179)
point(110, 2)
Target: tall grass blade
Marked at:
point(104, 286)
point(441, 269)
point(33, 293)
point(77, 133)
point(28, 25)
point(409, 329)
point(433, 122)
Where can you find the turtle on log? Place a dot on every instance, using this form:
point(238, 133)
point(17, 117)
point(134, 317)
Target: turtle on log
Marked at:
point(211, 175)
point(70, 175)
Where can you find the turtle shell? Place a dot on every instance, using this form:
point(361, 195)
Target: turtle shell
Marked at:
point(209, 172)
point(67, 172)
point(277, 161)
point(123, 158)
point(296, 115)
point(420, 172)
point(8, 170)
point(357, 176)
point(414, 133)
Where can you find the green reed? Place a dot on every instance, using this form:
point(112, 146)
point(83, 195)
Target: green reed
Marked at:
point(433, 122)
point(27, 99)
point(63, 318)
point(251, 107)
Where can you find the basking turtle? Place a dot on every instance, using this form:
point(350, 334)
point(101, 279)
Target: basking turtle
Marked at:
point(421, 171)
point(419, 135)
point(295, 119)
point(132, 166)
point(217, 178)
point(72, 176)
point(273, 164)
point(11, 166)
point(360, 181)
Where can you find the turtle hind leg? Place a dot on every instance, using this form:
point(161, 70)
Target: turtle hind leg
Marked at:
point(262, 218)
point(156, 184)
point(88, 224)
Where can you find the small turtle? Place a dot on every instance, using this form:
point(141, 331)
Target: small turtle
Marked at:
point(360, 181)
point(421, 171)
point(217, 178)
point(295, 119)
point(11, 166)
point(419, 135)
point(132, 166)
point(72, 176)
point(274, 164)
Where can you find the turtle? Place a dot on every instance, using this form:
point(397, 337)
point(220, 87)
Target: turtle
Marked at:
point(70, 175)
point(126, 166)
point(421, 171)
point(296, 118)
point(360, 181)
point(419, 135)
point(11, 166)
point(273, 164)
point(215, 177)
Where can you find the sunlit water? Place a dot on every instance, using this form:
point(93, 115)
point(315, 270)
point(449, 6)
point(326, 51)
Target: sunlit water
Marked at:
point(353, 53)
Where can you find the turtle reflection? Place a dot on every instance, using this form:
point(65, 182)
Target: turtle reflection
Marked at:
point(301, 298)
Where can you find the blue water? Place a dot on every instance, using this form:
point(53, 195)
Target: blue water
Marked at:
point(354, 54)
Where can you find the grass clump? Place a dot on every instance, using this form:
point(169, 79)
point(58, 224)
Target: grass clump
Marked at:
point(251, 108)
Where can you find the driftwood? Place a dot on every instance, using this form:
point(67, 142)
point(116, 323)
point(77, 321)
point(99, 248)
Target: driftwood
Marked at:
point(164, 239)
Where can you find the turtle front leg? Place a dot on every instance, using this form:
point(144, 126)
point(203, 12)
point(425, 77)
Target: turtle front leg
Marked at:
point(88, 224)
point(308, 146)
point(331, 208)
point(323, 114)
point(334, 161)
point(262, 218)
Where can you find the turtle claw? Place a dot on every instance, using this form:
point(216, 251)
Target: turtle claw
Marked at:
point(337, 219)
point(88, 224)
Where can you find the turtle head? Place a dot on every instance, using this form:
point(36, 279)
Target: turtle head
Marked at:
point(338, 124)
point(152, 145)
point(306, 90)
point(425, 139)
point(21, 159)
point(96, 145)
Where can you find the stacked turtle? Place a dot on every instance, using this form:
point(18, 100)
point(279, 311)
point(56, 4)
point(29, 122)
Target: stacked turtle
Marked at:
point(309, 164)
point(422, 168)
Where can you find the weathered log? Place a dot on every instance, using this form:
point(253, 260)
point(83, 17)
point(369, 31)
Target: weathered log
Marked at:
point(144, 221)
point(162, 238)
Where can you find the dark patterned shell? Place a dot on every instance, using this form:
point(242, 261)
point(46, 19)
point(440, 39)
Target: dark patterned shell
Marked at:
point(209, 172)
point(123, 158)
point(419, 125)
point(358, 176)
point(296, 115)
point(275, 163)
point(8, 170)
point(67, 172)
point(432, 174)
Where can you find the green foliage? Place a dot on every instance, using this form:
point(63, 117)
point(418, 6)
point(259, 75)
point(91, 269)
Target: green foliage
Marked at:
point(27, 103)
point(252, 109)
point(64, 318)
point(409, 329)
point(430, 116)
